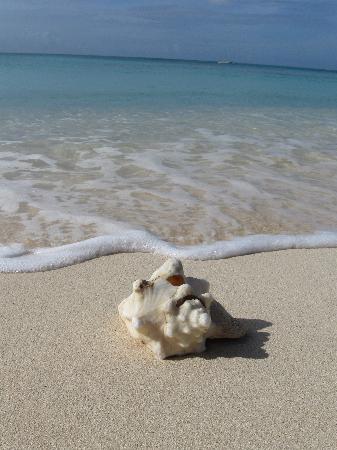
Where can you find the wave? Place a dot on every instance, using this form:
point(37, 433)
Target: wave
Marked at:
point(16, 258)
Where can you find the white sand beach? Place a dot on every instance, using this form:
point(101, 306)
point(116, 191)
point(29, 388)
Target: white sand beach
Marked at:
point(71, 376)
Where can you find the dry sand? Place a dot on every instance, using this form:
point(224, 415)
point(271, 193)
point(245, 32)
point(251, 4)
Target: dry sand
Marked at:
point(70, 376)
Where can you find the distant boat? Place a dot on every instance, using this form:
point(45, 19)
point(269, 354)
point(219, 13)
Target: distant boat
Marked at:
point(225, 61)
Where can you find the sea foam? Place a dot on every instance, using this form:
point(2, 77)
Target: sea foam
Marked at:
point(15, 258)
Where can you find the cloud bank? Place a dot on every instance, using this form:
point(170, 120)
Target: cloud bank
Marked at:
point(288, 32)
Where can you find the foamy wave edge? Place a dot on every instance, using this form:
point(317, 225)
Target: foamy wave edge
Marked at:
point(15, 258)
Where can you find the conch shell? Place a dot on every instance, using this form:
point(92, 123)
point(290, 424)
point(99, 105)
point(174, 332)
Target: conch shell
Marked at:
point(170, 318)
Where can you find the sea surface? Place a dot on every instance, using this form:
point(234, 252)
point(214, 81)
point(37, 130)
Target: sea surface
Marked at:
point(193, 152)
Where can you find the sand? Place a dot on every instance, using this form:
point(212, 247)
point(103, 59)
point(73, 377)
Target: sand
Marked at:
point(70, 376)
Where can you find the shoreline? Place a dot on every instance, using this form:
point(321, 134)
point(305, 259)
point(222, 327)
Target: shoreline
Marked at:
point(71, 376)
point(17, 259)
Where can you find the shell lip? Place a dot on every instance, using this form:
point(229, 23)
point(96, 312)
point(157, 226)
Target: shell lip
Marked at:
point(181, 301)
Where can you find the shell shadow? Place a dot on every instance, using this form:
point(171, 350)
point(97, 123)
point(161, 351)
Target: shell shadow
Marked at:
point(198, 285)
point(250, 346)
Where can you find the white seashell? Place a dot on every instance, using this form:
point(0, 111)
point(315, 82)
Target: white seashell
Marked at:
point(170, 319)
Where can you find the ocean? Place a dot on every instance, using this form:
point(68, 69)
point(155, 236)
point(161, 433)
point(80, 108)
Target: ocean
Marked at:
point(191, 152)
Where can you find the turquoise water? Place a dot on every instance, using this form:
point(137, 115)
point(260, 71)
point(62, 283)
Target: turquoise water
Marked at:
point(191, 151)
point(52, 82)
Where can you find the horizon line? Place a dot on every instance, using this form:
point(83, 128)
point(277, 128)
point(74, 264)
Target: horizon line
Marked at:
point(156, 58)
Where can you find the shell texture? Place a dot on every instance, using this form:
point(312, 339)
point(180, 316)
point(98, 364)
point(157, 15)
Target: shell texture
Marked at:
point(168, 316)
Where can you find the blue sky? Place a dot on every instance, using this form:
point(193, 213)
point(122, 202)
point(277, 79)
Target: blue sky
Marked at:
point(286, 32)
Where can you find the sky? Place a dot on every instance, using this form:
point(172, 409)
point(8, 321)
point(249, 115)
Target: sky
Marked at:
point(300, 33)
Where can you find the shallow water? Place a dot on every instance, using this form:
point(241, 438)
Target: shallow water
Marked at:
point(192, 152)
